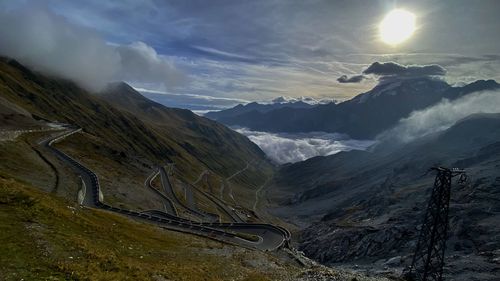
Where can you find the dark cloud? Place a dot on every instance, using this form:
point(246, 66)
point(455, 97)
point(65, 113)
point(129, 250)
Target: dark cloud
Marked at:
point(352, 79)
point(396, 69)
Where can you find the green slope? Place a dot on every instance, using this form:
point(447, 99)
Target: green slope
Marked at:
point(48, 238)
point(125, 135)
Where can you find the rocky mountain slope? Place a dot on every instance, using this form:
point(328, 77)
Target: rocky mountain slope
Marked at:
point(362, 117)
point(364, 207)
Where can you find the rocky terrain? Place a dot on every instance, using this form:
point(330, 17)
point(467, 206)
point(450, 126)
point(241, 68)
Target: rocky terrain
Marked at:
point(363, 209)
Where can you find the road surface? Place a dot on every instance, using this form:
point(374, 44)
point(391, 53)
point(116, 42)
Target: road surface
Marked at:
point(169, 191)
point(167, 202)
point(257, 236)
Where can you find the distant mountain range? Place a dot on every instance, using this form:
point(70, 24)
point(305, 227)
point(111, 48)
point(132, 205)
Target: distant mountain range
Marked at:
point(362, 117)
point(256, 107)
point(308, 100)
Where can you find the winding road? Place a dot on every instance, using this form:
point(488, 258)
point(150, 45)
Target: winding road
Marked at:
point(257, 236)
point(168, 204)
point(169, 191)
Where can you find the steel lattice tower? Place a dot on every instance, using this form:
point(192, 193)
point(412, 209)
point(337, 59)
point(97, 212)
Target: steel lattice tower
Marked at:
point(428, 260)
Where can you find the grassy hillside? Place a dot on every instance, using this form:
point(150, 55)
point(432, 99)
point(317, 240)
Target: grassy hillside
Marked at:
point(47, 238)
point(125, 140)
point(211, 143)
point(45, 235)
point(61, 100)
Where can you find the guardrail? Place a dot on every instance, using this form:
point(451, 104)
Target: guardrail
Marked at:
point(177, 199)
point(162, 217)
point(149, 184)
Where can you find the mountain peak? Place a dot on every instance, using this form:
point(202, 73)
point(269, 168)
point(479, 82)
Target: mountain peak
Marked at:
point(397, 86)
point(301, 100)
point(120, 87)
point(480, 85)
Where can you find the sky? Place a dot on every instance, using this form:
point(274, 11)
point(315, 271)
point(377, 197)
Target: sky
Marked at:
point(246, 50)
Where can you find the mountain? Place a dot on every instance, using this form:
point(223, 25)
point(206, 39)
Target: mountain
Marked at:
point(308, 100)
point(256, 107)
point(12, 116)
point(202, 137)
point(125, 135)
point(364, 207)
point(362, 117)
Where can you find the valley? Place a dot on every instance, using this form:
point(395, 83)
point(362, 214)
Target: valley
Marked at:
point(358, 206)
point(185, 193)
point(322, 140)
point(362, 209)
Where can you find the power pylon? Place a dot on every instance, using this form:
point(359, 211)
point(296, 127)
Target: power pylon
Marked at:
point(428, 260)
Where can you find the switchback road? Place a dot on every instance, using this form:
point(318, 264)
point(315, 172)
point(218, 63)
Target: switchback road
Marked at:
point(257, 236)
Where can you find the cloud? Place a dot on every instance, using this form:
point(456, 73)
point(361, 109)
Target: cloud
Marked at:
point(141, 63)
point(442, 116)
point(396, 69)
point(290, 148)
point(50, 43)
point(223, 54)
point(352, 79)
point(198, 103)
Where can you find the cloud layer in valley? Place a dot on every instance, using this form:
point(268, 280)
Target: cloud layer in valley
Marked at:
point(48, 42)
point(442, 116)
point(290, 148)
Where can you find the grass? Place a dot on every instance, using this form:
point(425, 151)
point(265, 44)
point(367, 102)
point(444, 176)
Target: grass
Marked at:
point(18, 159)
point(121, 175)
point(48, 238)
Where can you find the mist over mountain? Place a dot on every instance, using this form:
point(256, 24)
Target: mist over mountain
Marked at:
point(441, 116)
point(67, 50)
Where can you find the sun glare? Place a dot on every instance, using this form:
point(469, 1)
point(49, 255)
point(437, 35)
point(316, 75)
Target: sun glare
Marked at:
point(397, 26)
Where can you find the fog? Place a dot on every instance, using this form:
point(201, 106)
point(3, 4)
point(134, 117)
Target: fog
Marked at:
point(49, 43)
point(289, 148)
point(442, 116)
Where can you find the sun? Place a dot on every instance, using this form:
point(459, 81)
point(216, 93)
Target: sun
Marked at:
point(397, 26)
